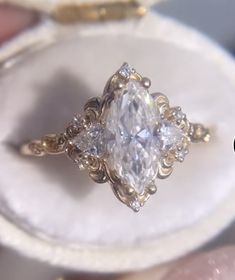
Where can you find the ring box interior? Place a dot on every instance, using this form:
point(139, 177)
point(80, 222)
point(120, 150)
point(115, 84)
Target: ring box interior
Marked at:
point(52, 211)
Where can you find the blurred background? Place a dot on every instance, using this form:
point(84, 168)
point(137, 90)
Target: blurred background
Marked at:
point(215, 18)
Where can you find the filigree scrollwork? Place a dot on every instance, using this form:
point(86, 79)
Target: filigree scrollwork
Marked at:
point(86, 138)
point(50, 144)
point(93, 109)
point(97, 171)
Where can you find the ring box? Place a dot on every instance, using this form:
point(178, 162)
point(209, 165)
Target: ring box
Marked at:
point(53, 212)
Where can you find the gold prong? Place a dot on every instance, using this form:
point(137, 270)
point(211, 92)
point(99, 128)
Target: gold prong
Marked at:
point(152, 189)
point(146, 82)
point(119, 85)
point(129, 190)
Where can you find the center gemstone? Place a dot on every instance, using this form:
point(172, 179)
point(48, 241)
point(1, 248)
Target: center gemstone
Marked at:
point(131, 145)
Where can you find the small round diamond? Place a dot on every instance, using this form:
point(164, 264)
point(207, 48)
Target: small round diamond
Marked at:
point(180, 155)
point(179, 116)
point(135, 205)
point(126, 70)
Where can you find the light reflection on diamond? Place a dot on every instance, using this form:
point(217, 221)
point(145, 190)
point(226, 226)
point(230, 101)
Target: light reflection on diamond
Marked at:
point(126, 70)
point(91, 140)
point(135, 205)
point(131, 119)
point(168, 135)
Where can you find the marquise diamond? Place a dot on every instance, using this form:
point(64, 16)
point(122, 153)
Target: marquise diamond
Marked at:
point(131, 121)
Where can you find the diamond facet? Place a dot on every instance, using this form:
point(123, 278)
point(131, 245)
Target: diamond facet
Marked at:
point(181, 154)
point(168, 135)
point(135, 205)
point(131, 122)
point(126, 70)
point(91, 140)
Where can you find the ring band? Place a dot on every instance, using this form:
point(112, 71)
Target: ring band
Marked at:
point(128, 137)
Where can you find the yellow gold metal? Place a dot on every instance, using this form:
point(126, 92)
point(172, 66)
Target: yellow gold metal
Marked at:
point(152, 189)
point(198, 133)
point(48, 145)
point(95, 111)
point(67, 12)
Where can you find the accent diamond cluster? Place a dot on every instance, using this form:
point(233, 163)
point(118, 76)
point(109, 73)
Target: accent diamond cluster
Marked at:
point(138, 137)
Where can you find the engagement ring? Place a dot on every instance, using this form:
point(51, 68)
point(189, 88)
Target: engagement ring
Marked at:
point(128, 137)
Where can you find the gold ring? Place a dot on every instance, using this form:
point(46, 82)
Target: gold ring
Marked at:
point(128, 137)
